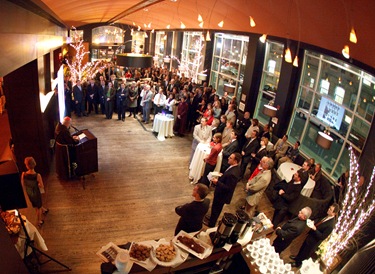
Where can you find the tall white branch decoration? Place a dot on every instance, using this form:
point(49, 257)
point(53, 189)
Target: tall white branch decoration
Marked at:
point(191, 68)
point(357, 207)
point(77, 69)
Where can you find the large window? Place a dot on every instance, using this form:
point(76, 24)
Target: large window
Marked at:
point(192, 56)
point(270, 78)
point(336, 97)
point(228, 63)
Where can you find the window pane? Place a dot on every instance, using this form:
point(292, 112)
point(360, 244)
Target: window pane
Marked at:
point(366, 104)
point(215, 64)
point(218, 45)
point(359, 132)
point(244, 54)
point(296, 129)
point(343, 163)
point(327, 157)
point(305, 98)
point(263, 99)
point(213, 81)
point(232, 49)
point(229, 68)
point(310, 72)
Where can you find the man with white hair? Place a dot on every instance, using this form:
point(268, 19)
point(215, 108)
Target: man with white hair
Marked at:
point(146, 103)
point(257, 185)
point(291, 230)
point(63, 137)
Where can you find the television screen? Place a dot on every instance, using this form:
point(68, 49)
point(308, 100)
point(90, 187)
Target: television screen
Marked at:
point(330, 113)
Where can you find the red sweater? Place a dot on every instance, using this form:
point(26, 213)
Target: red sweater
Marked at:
point(212, 157)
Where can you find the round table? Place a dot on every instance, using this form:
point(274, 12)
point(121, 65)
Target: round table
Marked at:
point(197, 164)
point(164, 126)
point(286, 171)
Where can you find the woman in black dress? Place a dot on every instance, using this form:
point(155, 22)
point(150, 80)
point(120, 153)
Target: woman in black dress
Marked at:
point(33, 184)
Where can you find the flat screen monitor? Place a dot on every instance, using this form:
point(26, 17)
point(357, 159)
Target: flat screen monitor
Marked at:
point(330, 113)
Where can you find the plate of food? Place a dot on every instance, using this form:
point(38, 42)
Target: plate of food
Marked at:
point(140, 252)
point(165, 253)
point(191, 244)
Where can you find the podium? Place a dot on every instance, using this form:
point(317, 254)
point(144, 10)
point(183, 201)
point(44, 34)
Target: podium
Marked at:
point(86, 156)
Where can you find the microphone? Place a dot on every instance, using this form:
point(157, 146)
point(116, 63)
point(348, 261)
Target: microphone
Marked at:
point(76, 129)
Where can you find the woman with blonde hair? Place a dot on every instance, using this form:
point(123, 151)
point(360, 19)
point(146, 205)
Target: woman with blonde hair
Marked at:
point(33, 184)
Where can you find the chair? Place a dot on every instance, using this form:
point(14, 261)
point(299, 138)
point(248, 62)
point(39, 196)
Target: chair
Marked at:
point(62, 160)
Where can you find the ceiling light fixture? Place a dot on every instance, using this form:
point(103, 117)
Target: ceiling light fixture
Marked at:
point(345, 52)
point(288, 55)
point(200, 19)
point(263, 38)
point(353, 36)
point(168, 26)
point(252, 22)
point(146, 36)
point(201, 24)
point(152, 31)
point(182, 25)
point(221, 24)
point(295, 62)
point(208, 37)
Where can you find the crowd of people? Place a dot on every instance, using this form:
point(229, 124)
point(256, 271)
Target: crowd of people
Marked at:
point(146, 91)
point(247, 150)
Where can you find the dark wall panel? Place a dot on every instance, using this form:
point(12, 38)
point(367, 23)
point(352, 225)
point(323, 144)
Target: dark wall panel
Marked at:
point(25, 117)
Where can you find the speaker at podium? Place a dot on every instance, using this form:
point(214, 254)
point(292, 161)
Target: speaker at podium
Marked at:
point(86, 156)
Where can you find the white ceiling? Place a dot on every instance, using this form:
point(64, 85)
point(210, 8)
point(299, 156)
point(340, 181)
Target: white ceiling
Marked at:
point(320, 22)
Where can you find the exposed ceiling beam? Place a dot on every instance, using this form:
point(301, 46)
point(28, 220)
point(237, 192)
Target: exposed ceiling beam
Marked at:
point(135, 8)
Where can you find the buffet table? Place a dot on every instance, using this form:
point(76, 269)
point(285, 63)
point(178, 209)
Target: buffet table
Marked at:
point(197, 164)
point(164, 126)
point(193, 264)
point(286, 171)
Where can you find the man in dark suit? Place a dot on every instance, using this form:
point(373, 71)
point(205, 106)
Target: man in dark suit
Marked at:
point(229, 149)
point(121, 101)
point(318, 233)
point(251, 146)
point(92, 97)
point(291, 230)
point(101, 97)
point(243, 125)
point(224, 187)
point(79, 99)
point(193, 213)
point(285, 194)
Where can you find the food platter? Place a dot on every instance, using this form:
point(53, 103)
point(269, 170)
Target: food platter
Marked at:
point(162, 263)
point(201, 255)
point(146, 255)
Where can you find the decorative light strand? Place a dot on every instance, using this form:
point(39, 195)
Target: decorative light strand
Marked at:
point(357, 207)
point(77, 70)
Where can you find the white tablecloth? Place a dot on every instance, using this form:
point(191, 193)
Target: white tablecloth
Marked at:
point(34, 236)
point(164, 126)
point(197, 164)
point(286, 171)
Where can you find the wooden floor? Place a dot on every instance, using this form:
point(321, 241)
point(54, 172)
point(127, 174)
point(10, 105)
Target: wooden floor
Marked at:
point(132, 197)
